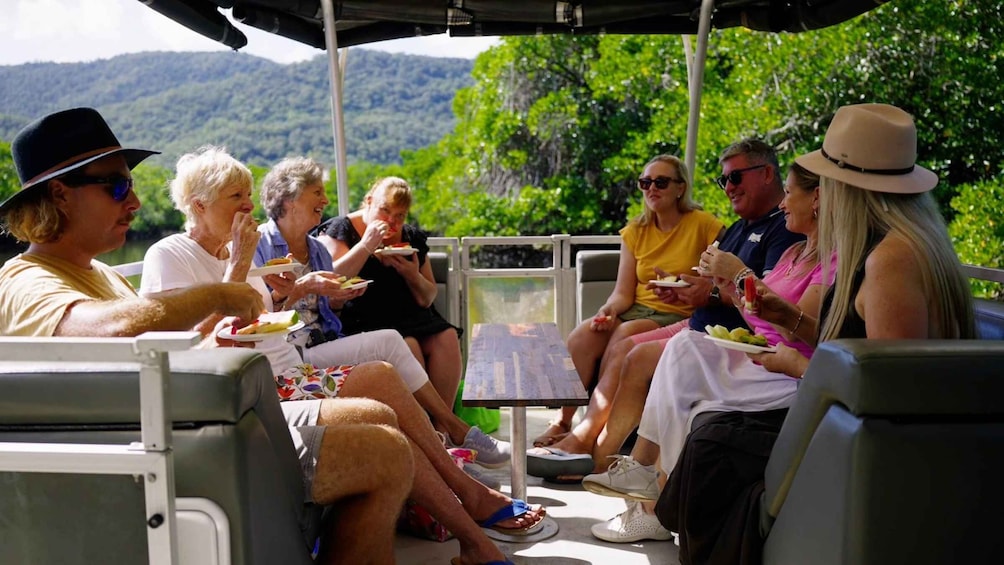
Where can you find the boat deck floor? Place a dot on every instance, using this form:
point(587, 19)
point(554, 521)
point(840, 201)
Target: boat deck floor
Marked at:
point(573, 508)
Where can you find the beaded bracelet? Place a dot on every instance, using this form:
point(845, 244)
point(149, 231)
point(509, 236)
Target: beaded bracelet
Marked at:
point(738, 279)
point(801, 313)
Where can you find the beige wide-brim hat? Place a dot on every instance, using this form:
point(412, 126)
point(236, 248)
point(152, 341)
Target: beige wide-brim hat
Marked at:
point(874, 147)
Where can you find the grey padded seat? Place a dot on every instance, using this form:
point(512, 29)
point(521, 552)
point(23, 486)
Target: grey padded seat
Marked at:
point(440, 264)
point(595, 277)
point(892, 453)
point(231, 446)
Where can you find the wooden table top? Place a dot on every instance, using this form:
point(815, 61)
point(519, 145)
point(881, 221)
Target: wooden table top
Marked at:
point(520, 365)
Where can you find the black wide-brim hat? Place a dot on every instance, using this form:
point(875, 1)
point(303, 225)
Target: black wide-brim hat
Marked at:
point(61, 142)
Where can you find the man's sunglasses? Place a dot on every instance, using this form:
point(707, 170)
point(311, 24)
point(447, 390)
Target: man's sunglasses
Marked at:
point(661, 183)
point(118, 187)
point(736, 176)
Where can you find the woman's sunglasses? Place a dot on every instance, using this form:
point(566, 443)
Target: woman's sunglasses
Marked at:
point(661, 183)
point(118, 187)
point(736, 176)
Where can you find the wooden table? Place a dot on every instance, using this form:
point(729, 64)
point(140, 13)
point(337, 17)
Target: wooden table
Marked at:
point(520, 365)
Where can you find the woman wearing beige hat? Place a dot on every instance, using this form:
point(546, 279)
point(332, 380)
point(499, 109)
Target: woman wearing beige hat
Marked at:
point(898, 276)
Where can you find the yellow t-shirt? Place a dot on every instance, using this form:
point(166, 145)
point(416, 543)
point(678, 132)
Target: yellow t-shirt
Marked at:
point(36, 291)
point(675, 252)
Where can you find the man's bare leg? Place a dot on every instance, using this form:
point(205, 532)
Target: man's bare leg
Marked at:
point(628, 402)
point(364, 472)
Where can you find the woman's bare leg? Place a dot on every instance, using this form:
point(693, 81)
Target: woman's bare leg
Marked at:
point(443, 362)
point(629, 400)
point(379, 381)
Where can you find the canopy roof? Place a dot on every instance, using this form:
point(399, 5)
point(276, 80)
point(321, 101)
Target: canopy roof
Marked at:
point(365, 21)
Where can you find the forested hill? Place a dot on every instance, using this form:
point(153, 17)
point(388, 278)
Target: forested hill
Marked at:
point(260, 110)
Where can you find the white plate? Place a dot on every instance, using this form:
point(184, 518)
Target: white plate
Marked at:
point(738, 346)
point(273, 269)
point(670, 284)
point(395, 251)
point(360, 284)
point(225, 334)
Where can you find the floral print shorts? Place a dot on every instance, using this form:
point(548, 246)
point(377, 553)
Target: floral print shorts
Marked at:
point(305, 381)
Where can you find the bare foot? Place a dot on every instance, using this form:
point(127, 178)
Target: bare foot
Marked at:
point(493, 501)
point(556, 430)
point(572, 444)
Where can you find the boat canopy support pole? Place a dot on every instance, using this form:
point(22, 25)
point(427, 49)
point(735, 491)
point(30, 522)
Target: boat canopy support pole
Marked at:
point(337, 117)
point(695, 80)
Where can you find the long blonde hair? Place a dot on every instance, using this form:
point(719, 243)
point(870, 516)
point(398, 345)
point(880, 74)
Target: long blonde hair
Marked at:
point(686, 201)
point(850, 216)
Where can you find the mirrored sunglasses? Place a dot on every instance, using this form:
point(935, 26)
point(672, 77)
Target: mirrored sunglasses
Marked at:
point(118, 187)
point(736, 176)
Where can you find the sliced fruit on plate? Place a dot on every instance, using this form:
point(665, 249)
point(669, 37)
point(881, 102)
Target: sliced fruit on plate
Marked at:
point(346, 283)
point(278, 261)
point(269, 322)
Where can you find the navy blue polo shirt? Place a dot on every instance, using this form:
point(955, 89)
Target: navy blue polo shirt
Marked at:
point(759, 243)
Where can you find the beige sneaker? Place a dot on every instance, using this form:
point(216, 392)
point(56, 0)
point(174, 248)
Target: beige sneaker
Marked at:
point(630, 526)
point(625, 478)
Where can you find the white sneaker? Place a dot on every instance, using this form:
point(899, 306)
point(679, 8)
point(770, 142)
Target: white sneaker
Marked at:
point(625, 478)
point(630, 526)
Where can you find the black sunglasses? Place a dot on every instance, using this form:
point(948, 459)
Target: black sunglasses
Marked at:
point(118, 186)
point(736, 176)
point(661, 183)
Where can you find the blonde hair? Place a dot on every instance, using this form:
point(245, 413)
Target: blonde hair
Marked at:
point(35, 218)
point(850, 217)
point(286, 181)
point(203, 175)
point(686, 201)
point(397, 192)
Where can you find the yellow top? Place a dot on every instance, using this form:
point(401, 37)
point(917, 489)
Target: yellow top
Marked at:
point(36, 291)
point(675, 252)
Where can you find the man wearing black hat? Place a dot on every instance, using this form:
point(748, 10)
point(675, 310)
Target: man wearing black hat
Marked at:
point(76, 202)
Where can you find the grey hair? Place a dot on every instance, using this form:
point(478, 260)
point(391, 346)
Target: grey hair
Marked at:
point(286, 181)
point(759, 150)
point(203, 175)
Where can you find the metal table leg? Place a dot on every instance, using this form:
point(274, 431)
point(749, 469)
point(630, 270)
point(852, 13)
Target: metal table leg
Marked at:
point(517, 438)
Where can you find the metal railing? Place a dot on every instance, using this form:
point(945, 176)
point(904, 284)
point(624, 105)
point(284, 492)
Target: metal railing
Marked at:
point(152, 458)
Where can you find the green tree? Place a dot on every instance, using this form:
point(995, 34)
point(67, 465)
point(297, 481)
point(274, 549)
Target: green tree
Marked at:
point(9, 183)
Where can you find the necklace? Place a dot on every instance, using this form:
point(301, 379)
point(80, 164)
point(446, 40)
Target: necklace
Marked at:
point(802, 256)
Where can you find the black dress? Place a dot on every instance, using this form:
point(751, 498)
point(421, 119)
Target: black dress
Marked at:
point(387, 303)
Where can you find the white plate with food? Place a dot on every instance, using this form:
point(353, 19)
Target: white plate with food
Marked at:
point(273, 269)
point(395, 251)
point(740, 346)
point(354, 283)
point(267, 325)
point(670, 283)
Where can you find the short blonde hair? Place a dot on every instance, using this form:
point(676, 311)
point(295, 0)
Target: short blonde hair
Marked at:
point(686, 201)
point(202, 175)
point(397, 192)
point(35, 218)
point(286, 181)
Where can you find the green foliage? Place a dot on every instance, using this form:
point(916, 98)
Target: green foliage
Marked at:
point(157, 215)
point(978, 230)
point(260, 110)
point(9, 183)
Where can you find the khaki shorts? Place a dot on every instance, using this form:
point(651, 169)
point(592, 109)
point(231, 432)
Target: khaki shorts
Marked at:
point(639, 312)
point(301, 415)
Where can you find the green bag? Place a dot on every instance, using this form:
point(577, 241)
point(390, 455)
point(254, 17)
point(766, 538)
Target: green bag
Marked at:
point(487, 419)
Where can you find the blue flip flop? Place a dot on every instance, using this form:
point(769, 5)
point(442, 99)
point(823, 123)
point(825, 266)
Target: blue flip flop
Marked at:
point(514, 510)
point(555, 463)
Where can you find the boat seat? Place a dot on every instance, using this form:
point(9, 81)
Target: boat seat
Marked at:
point(892, 453)
point(595, 277)
point(440, 264)
point(232, 452)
